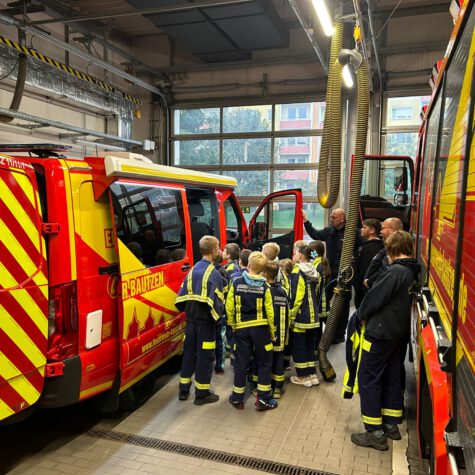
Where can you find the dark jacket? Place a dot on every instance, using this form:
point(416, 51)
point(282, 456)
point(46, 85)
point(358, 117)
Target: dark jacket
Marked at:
point(304, 302)
point(378, 264)
point(249, 303)
point(334, 243)
point(386, 307)
point(281, 315)
point(363, 257)
point(201, 294)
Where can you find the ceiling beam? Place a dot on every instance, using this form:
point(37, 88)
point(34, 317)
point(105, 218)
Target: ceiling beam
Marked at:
point(428, 9)
point(413, 48)
point(143, 11)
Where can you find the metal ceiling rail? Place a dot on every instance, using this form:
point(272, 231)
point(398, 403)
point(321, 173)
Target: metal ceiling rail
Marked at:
point(63, 126)
point(144, 11)
point(82, 54)
point(306, 28)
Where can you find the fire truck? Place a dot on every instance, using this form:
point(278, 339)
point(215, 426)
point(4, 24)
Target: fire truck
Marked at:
point(443, 223)
point(92, 254)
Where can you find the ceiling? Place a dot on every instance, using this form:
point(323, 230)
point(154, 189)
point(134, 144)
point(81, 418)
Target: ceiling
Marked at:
point(163, 38)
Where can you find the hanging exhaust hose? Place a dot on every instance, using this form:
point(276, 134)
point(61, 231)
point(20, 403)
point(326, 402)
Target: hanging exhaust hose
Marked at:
point(328, 182)
point(19, 87)
point(343, 287)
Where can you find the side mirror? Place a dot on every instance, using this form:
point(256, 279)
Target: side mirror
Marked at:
point(400, 179)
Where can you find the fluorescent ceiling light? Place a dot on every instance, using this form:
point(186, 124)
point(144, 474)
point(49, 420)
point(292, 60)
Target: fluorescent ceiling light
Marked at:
point(323, 16)
point(102, 146)
point(347, 76)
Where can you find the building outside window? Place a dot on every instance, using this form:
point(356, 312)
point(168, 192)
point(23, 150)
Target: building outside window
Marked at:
point(267, 148)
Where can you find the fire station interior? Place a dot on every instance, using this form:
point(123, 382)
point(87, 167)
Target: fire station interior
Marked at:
point(232, 88)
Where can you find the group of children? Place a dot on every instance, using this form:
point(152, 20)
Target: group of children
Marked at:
point(264, 309)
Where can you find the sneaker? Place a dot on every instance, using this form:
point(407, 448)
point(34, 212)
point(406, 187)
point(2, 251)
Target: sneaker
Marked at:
point(208, 399)
point(301, 381)
point(236, 403)
point(265, 404)
point(183, 395)
point(368, 439)
point(314, 380)
point(392, 432)
point(278, 393)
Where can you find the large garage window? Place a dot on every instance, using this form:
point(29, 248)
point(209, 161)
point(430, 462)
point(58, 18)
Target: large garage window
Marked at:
point(402, 124)
point(266, 147)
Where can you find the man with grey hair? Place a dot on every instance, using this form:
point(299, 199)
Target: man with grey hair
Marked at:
point(380, 263)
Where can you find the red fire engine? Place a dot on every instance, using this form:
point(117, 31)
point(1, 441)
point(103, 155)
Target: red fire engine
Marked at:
point(444, 226)
point(93, 253)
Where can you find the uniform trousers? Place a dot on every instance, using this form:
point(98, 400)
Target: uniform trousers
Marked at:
point(249, 341)
point(198, 357)
point(277, 375)
point(379, 382)
point(303, 351)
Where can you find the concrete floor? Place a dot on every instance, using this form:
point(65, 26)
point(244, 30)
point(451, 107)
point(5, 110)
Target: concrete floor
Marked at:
point(311, 428)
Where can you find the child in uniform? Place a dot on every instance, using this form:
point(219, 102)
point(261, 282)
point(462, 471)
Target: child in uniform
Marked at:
point(231, 255)
point(281, 320)
point(304, 317)
point(250, 312)
point(201, 298)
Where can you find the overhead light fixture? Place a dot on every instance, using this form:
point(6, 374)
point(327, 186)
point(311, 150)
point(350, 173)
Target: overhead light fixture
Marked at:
point(100, 145)
point(347, 76)
point(323, 16)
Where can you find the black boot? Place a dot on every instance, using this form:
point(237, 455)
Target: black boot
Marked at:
point(370, 439)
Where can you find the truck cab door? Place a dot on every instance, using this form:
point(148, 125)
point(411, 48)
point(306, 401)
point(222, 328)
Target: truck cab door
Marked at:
point(23, 288)
point(278, 219)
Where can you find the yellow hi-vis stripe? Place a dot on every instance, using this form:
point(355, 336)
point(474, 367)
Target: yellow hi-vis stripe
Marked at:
point(21, 216)
point(5, 410)
point(209, 345)
point(189, 286)
point(237, 299)
point(264, 387)
point(269, 347)
point(238, 390)
point(375, 421)
point(21, 339)
point(392, 412)
point(24, 299)
point(276, 377)
point(259, 314)
point(310, 304)
point(201, 386)
point(25, 184)
point(185, 380)
point(22, 258)
point(204, 283)
point(72, 239)
point(17, 381)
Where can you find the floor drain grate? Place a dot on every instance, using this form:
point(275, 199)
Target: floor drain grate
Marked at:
point(207, 454)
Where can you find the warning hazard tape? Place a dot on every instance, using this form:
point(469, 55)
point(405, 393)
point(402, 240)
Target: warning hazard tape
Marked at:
point(63, 67)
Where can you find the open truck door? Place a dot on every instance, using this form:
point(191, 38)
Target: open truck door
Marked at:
point(153, 261)
point(23, 289)
point(278, 218)
point(387, 188)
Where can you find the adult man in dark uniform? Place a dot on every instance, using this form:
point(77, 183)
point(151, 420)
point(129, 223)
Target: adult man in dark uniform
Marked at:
point(333, 237)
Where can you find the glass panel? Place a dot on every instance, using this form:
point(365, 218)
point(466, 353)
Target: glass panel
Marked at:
point(405, 110)
point(242, 151)
point(304, 179)
point(247, 119)
point(149, 221)
point(283, 214)
point(303, 115)
point(316, 215)
point(255, 183)
point(196, 152)
point(401, 143)
point(297, 149)
point(196, 121)
point(248, 212)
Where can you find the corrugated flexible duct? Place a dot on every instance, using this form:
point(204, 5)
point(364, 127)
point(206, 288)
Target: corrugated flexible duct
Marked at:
point(55, 81)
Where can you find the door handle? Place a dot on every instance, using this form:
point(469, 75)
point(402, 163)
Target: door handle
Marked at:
point(185, 267)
